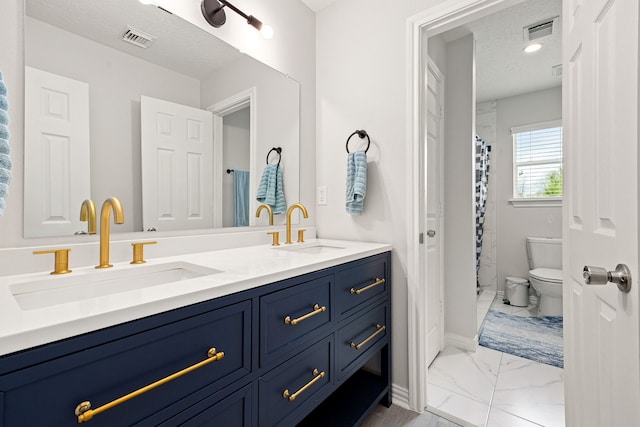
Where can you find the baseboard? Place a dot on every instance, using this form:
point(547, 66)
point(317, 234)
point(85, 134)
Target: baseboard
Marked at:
point(400, 396)
point(463, 343)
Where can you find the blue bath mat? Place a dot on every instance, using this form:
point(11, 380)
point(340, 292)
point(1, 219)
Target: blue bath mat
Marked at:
point(534, 338)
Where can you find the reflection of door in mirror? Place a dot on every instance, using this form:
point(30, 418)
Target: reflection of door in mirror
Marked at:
point(236, 154)
point(177, 159)
point(56, 167)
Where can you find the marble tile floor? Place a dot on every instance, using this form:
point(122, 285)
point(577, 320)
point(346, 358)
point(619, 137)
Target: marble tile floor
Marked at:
point(487, 388)
point(493, 389)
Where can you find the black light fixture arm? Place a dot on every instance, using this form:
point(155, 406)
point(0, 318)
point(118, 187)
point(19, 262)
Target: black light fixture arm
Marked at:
point(213, 11)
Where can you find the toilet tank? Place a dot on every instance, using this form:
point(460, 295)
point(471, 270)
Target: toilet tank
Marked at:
point(544, 252)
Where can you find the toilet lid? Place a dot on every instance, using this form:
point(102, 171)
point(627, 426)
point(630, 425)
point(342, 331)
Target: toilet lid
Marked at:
point(547, 274)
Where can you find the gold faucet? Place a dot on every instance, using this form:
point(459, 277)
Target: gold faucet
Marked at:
point(268, 208)
point(289, 212)
point(88, 213)
point(105, 227)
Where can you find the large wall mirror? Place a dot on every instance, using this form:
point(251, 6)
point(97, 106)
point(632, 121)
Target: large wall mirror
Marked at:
point(129, 101)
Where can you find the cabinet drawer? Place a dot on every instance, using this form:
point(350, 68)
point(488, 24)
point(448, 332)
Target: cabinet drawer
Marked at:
point(355, 339)
point(305, 378)
point(360, 285)
point(291, 317)
point(229, 411)
point(109, 371)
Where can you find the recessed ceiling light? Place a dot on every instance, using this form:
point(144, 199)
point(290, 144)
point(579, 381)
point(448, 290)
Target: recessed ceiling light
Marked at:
point(533, 47)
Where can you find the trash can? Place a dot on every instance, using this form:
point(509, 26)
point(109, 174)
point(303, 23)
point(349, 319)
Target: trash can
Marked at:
point(517, 291)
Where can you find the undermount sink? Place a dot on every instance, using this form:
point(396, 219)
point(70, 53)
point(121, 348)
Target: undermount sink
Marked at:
point(312, 248)
point(68, 288)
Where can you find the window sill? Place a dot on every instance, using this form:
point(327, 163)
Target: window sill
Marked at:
point(536, 203)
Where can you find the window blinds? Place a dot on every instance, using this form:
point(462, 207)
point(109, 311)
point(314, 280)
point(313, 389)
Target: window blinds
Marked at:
point(537, 163)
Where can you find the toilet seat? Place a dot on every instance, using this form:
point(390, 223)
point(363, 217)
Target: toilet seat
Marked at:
point(550, 275)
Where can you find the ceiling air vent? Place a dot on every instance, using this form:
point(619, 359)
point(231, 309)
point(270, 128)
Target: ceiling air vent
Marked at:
point(540, 29)
point(137, 37)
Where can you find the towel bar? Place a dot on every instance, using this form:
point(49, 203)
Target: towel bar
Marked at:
point(362, 134)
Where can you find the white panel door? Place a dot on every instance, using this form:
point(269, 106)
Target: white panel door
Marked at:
point(433, 197)
point(600, 94)
point(56, 169)
point(177, 166)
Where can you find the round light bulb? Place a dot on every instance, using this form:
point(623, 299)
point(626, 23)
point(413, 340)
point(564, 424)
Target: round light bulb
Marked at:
point(533, 47)
point(267, 31)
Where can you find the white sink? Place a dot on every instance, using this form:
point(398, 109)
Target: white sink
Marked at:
point(68, 288)
point(311, 248)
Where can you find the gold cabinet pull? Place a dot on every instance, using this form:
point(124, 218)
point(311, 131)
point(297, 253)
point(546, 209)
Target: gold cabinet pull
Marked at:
point(366, 288)
point(85, 413)
point(379, 329)
point(317, 376)
point(316, 310)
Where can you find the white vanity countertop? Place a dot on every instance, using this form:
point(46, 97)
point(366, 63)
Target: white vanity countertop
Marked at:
point(242, 269)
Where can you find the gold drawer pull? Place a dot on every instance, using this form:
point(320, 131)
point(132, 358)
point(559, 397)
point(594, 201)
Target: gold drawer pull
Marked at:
point(85, 413)
point(317, 376)
point(316, 310)
point(379, 330)
point(366, 288)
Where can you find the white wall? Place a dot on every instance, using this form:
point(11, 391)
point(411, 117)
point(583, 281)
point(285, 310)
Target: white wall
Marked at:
point(114, 103)
point(362, 84)
point(292, 51)
point(514, 224)
point(459, 193)
point(236, 151)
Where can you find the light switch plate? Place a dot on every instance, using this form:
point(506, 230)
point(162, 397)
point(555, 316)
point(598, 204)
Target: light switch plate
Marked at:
point(322, 195)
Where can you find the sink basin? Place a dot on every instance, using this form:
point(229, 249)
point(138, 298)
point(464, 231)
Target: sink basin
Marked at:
point(61, 289)
point(313, 248)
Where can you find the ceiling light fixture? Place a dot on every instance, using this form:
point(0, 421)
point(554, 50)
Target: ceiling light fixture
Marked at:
point(533, 47)
point(213, 12)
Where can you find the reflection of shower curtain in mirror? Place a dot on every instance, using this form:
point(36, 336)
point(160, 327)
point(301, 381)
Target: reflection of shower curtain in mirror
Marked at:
point(482, 180)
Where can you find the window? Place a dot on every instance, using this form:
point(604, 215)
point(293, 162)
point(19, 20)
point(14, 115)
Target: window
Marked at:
point(537, 161)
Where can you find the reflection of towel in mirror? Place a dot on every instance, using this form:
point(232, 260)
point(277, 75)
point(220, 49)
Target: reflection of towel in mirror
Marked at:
point(240, 198)
point(356, 182)
point(5, 150)
point(271, 189)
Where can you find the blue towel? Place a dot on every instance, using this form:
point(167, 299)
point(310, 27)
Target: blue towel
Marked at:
point(5, 150)
point(271, 189)
point(241, 198)
point(356, 182)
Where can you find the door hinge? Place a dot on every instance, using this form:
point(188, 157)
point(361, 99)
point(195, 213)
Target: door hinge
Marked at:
point(421, 238)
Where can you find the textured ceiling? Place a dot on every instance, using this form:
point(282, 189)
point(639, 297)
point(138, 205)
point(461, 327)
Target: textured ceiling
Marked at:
point(180, 45)
point(502, 68)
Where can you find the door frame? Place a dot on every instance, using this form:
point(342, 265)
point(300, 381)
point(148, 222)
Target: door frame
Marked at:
point(433, 21)
point(246, 98)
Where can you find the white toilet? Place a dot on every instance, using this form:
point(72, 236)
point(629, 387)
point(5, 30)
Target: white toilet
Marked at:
point(545, 274)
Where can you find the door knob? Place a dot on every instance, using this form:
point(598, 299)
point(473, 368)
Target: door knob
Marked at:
point(600, 276)
point(431, 233)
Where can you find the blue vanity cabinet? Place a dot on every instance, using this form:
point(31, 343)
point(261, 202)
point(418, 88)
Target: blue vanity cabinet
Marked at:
point(289, 318)
point(358, 338)
point(235, 410)
point(288, 359)
point(362, 284)
point(48, 392)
